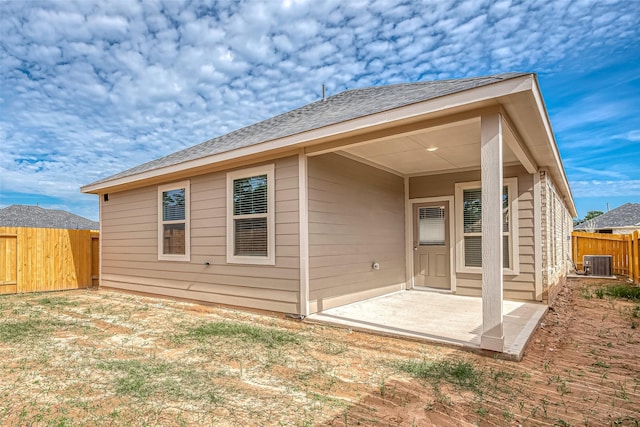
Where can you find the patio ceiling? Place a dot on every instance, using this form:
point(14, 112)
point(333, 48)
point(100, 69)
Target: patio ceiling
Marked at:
point(440, 149)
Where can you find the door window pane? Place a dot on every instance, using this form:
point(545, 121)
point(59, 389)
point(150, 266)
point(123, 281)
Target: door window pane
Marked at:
point(431, 226)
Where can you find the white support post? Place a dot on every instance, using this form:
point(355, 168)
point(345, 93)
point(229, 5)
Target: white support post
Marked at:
point(303, 219)
point(492, 283)
point(408, 237)
point(537, 235)
point(100, 238)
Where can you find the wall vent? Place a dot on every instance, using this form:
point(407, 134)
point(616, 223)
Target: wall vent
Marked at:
point(598, 265)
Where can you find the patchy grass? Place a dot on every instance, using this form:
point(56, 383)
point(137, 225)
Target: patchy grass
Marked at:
point(135, 378)
point(270, 337)
point(619, 290)
point(32, 329)
point(629, 292)
point(616, 292)
point(105, 358)
point(56, 301)
point(142, 379)
point(456, 372)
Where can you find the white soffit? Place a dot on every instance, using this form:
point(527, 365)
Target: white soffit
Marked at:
point(442, 148)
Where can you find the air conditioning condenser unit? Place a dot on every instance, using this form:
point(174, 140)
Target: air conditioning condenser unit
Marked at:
point(598, 265)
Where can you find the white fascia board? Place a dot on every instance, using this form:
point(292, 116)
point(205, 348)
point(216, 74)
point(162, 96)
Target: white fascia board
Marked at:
point(482, 93)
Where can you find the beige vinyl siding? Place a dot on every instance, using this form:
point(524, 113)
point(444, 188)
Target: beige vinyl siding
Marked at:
point(356, 217)
point(521, 286)
point(130, 250)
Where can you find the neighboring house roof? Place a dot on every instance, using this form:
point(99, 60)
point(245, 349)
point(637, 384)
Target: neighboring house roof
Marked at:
point(37, 217)
point(344, 106)
point(627, 215)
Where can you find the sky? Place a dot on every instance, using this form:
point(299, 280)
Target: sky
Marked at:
point(91, 88)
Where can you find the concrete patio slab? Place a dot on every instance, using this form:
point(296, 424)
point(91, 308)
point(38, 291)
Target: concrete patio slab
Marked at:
point(436, 317)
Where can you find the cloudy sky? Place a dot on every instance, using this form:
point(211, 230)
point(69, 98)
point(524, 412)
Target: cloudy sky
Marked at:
point(90, 88)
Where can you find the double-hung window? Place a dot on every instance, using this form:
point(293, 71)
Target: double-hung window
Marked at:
point(251, 216)
point(469, 227)
point(173, 222)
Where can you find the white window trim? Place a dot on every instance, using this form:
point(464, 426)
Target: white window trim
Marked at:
point(187, 222)
point(514, 240)
point(270, 259)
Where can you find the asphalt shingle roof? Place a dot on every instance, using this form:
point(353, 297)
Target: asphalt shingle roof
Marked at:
point(623, 216)
point(347, 105)
point(37, 217)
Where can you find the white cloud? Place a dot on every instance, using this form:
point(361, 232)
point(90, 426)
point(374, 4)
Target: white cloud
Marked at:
point(597, 188)
point(633, 135)
point(110, 28)
point(601, 173)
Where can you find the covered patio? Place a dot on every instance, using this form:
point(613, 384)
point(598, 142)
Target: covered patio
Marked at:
point(444, 318)
point(477, 171)
point(436, 158)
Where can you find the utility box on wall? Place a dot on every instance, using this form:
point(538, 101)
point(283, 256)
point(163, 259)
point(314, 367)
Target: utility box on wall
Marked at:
point(598, 265)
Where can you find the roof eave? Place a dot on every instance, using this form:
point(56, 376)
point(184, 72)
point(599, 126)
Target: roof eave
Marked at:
point(382, 119)
point(338, 130)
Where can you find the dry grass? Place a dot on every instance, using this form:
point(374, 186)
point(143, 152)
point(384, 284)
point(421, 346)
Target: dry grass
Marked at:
point(105, 358)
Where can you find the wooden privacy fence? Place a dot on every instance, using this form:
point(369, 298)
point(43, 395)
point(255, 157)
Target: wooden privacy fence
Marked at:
point(47, 259)
point(623, 249)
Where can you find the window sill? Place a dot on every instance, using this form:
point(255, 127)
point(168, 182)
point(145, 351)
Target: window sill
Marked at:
point(183, 258)
point(478, 270)
point(249, 260)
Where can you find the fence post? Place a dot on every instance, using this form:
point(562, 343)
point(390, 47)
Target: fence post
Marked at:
point(636, 257)
point(574, 250)
point(630, 269)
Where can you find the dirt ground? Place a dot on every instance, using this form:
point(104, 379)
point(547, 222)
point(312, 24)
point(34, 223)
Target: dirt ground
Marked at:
point(107, 358)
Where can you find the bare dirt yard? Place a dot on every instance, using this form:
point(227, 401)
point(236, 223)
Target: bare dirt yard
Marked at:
point(107, 358)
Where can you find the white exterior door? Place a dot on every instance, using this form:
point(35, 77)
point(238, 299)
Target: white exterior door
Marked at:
point(431, 242)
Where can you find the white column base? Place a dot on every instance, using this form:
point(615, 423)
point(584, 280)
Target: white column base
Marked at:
point(488, 342)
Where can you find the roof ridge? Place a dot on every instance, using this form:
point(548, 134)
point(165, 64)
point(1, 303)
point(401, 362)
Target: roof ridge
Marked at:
point(509, 74)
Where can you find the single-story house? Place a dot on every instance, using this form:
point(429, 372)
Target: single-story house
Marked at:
point(455, 185)
point(624, 219)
